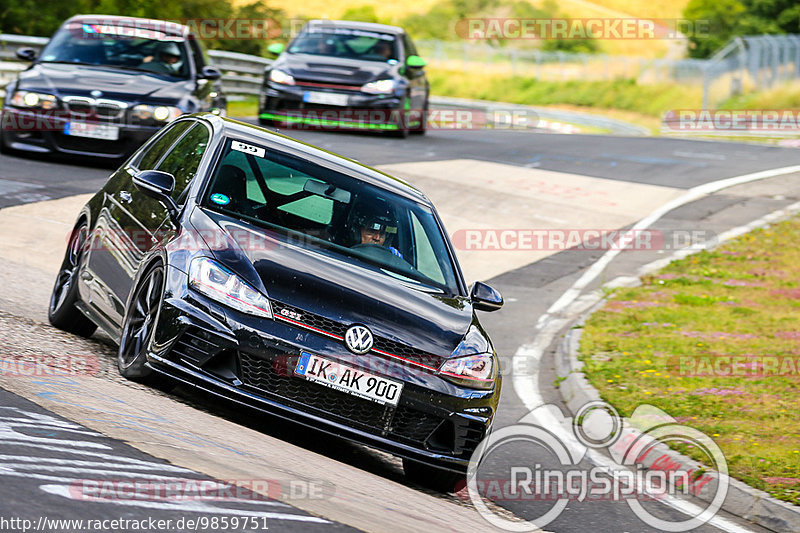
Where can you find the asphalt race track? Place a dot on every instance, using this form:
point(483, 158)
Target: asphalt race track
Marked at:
point(478, 179)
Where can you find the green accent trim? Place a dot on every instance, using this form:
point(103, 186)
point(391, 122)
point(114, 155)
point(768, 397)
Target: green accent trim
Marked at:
point(325, 122)
point(276, 48)
point(415, 62)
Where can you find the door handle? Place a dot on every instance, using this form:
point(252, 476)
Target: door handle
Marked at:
point(125, 196)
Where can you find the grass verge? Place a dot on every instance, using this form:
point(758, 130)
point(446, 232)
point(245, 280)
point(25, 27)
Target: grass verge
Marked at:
point(713, 340)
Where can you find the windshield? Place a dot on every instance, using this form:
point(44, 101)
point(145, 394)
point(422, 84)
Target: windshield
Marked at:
point(334, 211)
point(346, 43)
point(117, 46)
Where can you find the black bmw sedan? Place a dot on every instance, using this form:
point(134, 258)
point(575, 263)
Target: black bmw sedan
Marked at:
point(290, 279)
point(347, 75)
point(104, 84)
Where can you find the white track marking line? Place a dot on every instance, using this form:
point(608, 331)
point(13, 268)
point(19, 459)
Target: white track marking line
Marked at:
point(526, 359)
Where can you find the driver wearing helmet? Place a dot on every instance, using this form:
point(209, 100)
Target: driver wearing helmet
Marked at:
point(167, 59)
point(376, 226)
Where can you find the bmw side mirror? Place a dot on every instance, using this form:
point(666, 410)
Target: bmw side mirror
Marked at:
point(275, 49)
point(210, 73)
point(26, 54)
point(159, 186)
point(485, 298)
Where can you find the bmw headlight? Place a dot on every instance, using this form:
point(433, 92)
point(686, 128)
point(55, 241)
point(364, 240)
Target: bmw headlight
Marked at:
point(160, 114)
point(475, 371)
point(279, 76)
point(379, 87)
point(34, 100)
point(208, 277)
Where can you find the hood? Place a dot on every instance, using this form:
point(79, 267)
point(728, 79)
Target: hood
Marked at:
point(116, 84)
point(323, 69)
point(330, 285)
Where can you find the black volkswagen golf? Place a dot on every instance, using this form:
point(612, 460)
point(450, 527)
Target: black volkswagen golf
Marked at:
point(290, 279)
point(104, 84)
point(347, 75)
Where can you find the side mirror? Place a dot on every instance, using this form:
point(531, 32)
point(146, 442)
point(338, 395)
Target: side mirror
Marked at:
point(485, 298)
point(157, 185)
point(210, 73)
point(276, 49)
point(415, 62)
point(26, 54)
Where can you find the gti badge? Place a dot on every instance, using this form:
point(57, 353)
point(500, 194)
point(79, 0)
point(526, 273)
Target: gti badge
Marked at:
point(96, 93)
point(358, 339)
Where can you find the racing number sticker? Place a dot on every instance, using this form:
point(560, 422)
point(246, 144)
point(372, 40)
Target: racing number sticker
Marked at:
point(247, 148)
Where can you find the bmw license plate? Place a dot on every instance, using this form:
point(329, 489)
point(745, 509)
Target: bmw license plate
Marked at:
point(105, 132)
point(313, 97)
point(348, 379)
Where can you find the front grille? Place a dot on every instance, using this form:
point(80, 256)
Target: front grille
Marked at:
point(83, 144)
point(274, 377)
point(336, 328)
point(309, 319)
point(81, 107)
point(261, 374)
point(413, 425)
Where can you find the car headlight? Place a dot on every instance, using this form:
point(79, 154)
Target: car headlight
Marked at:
point(279, 76)
point(160, 113)
point(208, 277)
point(379, 87)
point(33, 100)
point(475, 371)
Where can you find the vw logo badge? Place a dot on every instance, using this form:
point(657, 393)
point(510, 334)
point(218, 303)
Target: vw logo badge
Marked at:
point(358, 339)
point(96, 93)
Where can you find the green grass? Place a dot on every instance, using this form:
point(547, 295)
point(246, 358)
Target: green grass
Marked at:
point(243, 108)
point(626, 95)
point(653, 344)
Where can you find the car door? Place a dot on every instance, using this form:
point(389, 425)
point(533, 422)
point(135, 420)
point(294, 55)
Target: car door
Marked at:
point(123, 231)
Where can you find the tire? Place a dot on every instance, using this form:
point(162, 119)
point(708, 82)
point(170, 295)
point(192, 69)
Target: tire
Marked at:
point(433, 478)
point(402, 130)
point(4, 148)
point(138, 328)
point(61, 310)
point(423, 127)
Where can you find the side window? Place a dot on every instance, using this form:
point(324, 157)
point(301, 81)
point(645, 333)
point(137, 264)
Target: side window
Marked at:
point(198, 54)
point(411, 50)
point(150, 158)
point(184, 158)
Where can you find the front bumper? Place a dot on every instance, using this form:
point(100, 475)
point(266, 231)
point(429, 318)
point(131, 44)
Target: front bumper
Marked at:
point(286, 104)
point(251, 360)
point(41, 133)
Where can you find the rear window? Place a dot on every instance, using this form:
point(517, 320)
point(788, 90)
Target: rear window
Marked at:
point(333, 211)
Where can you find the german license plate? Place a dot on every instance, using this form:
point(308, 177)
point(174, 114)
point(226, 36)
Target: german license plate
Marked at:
point(348, 379)
point(105, 132)
point(313, 97)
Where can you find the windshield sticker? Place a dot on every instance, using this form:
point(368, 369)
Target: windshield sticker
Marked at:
point(247, 148)
point(221, 199)
point(353, 32)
